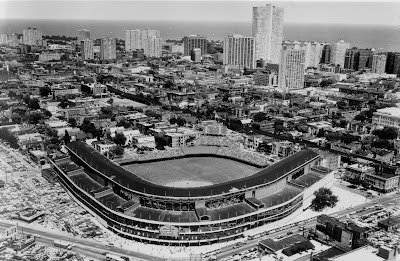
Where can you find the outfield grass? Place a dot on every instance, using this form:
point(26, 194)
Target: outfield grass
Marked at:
point(192, 172)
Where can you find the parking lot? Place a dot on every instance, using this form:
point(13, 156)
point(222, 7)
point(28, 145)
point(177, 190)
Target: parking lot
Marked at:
point(61, 213)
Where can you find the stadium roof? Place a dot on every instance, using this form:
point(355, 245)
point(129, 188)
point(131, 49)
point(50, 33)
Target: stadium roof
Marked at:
point(133, 182)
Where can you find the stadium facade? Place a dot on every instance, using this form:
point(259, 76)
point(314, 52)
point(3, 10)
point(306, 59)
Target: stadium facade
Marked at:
point(137, 209)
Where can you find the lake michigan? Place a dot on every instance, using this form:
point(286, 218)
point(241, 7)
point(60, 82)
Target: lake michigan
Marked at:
point(380, 37)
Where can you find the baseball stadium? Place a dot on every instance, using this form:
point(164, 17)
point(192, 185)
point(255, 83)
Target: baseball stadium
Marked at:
point(199, 197)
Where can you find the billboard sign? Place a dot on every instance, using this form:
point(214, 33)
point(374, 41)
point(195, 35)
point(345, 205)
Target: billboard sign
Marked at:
point(169, 231)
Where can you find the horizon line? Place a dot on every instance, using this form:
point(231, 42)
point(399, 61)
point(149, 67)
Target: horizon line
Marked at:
point(200, 21)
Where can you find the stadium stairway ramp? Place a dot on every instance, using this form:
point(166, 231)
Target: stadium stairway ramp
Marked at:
point(162, 217)
point(75, 172)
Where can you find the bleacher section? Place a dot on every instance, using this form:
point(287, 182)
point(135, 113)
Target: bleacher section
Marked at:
point(112, 201)
point(280, 196)
point(200, 150)
point(85, 182)
point(307, 180)
point(129, 206)
point(230, 211)
point(165, 216)
point(320, 170)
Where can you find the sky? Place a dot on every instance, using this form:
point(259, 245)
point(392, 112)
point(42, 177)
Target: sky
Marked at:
point(317, 11)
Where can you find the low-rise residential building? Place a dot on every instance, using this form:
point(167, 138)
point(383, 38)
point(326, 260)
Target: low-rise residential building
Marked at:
point(94, 88)
point(72, 112)
point(144, 141)
point(103, 146)
point(252, 141)
point(343, 235)
point(49, 57)
point(60, 92)
point(389, 116)
point(358, 171)
point(181, 137)
point(382, 182)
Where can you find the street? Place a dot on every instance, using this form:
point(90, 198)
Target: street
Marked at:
point(230, 251)
point(84, 247)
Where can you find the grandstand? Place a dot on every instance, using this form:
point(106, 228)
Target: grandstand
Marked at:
point(138, 209)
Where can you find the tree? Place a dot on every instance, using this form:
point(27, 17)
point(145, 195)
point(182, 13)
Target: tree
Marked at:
point(106, 111)
point(287, 115)
point(225, 98)
point(4, 106)
point(85, 125)
point(168, 84)
point(27, 99)
point(279, 128)
point(348, 138)
point(172, 120)
point(120, 139)
point(360, 117)
point(323, 198)
point(333, 136)
point(63, 104)
point(341, 104)
point(161, 143)
point(180, 121)
point(55, 141)
point(47, 113)
point(321, 133)
point(72, 122)
point(117, 151)
point(44, 91)
point(66, 138)
point(7, 137)
point(259, 116)
point(34, 118)
point(34, 104)
point(382, 144)
point(124, 123)
point(387, 133)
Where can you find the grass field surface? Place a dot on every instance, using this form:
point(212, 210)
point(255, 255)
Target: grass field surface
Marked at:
point(192, 172)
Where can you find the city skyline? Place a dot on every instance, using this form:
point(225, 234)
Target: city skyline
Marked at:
point(295, 11)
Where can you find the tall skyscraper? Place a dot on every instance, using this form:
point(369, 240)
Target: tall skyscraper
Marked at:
point(191, 42)
point(315, 53)
point(239, 50)
point(153, 47)
point(390, 62)
point(351, 59)
point(148, 40)
point(196, 55)
point(3, 38)
point(108, 49)
point(267, 29)
point(365, 58)
point(306, 46)
point(83, 34)
point(291, 68)
point(13, 39)
point(396, 65)
point(338, 53)
point(31, 36)
point(378, 63)
point(326, 54)
point(87, 51)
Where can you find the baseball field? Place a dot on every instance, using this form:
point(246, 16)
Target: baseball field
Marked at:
point(192, 172)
